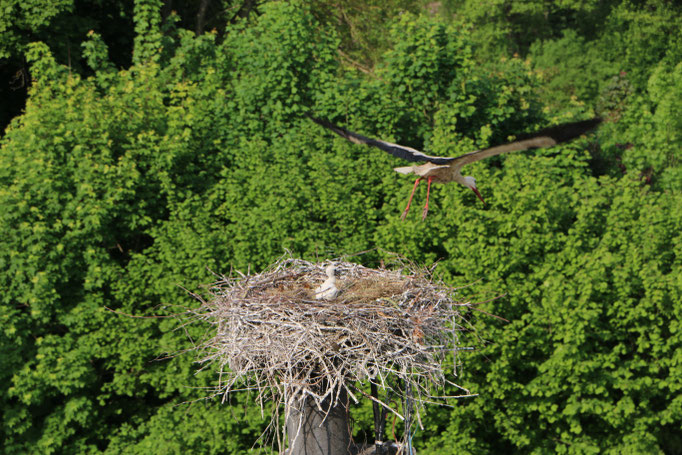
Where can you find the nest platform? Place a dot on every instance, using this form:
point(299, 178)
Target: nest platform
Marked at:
point(271, 335)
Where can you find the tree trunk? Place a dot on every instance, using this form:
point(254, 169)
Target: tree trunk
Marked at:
point(311, 434)
point(201, 17)
point(244, 10)
point(166, 9)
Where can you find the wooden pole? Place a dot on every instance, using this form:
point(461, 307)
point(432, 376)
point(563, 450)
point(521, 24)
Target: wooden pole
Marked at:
point(312, 431)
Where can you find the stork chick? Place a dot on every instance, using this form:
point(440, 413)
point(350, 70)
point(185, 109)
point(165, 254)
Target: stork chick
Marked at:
point(328, 289)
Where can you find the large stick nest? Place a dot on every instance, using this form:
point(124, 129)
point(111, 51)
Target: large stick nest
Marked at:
point(272, 335)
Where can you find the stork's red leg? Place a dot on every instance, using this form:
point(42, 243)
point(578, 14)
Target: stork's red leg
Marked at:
point(428, 190)
point(409, 201)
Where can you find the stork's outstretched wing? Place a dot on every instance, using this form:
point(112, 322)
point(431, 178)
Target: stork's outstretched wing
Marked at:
point(545, 138)
point(406, 153)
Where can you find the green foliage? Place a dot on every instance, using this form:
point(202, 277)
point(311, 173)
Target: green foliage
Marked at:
point(147, 30)
point(361, 26)
point(19, 17)
point(63, 25)
point(119, 188)
point(277, 63)
point(589, 361)
point(639, 37)
point(652, 129)
point(563, 62)
point(506, 26)
point(578, 46)
point(98, 207)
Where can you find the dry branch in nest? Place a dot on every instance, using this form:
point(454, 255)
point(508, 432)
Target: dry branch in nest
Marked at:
point(272, 335)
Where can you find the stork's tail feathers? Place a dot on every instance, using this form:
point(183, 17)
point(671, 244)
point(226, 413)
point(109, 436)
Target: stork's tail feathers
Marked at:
point(405, 169)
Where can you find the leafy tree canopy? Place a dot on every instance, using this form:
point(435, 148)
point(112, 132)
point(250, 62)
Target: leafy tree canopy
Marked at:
point(120, 186)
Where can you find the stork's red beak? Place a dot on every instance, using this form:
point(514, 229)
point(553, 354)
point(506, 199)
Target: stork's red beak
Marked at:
point(475, 190)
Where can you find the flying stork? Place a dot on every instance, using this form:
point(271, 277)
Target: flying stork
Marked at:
point(448, 169)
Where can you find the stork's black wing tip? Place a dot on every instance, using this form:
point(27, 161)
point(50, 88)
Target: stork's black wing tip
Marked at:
point(317, 120)
point(329, 125)
point(569, 131)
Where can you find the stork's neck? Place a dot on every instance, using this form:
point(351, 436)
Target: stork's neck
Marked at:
point(457, 177)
